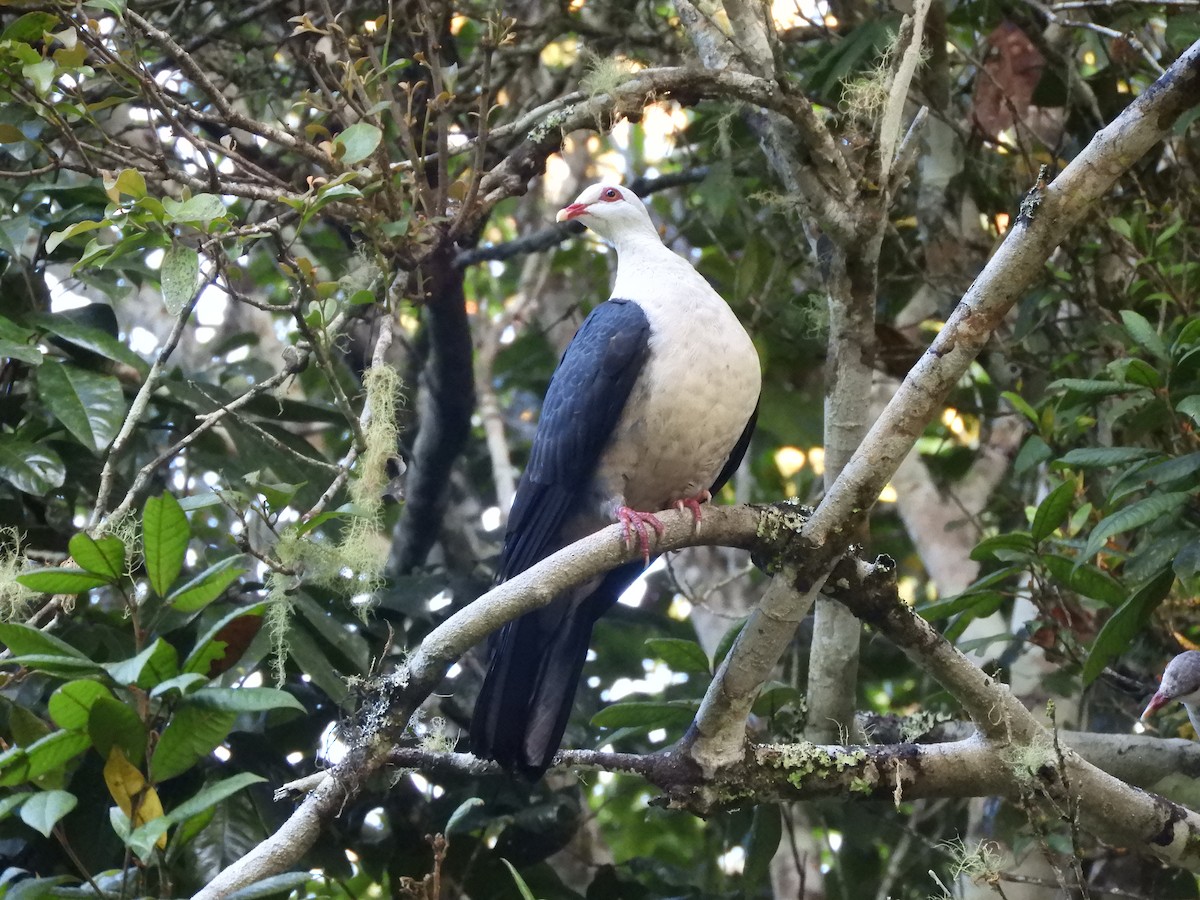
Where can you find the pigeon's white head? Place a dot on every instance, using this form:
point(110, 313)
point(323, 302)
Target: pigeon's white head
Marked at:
point(613, 212)
point(1180, 681)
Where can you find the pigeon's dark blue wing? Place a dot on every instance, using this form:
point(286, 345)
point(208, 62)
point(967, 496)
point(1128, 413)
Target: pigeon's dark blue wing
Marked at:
point(537, 659)
point(581, 409)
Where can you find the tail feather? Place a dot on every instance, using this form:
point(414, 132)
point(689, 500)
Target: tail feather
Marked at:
point(537, 660)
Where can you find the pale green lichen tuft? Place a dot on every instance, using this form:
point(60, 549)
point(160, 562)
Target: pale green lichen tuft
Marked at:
point(15, 598)
point(604, 75)
point(982, 864)
point(278, 619)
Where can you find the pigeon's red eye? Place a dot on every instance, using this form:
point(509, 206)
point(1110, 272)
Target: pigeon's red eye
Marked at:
point(611, 194)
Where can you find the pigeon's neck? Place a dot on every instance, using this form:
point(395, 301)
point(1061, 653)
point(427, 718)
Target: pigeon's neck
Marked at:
point(647, 272)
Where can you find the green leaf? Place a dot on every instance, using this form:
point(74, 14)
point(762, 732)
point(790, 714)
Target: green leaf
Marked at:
point(96, 340)
point(766, 831)
point(245, 699)
point(53, 752)
point(45, 809)
point(972, 601)
point(1052, 511)
point(1119, 631)
point(275, 886)
point(103, 556)
point(192, 734)
point(358, 142)
point(152, 666)
point(33, 470)
point(213, 645)
point(29, 28)
point(1086, 579)
point(1011, 547)
point(113, 724)
point(1021, 405)
point(526, 893)
point(20, 352)
point(165, 534)
point(1190, 407)
point(679, 655)
point(90, 405)
point(207, 586)
point(70, 705)
point(1092, 387)
point(456, 824)
point(1136, 515)
point(1145, 334)
point(61, 581)
point(70, 231)
point(646, 714)
point(202, 209)
point(181, 684)
point(1103, 457)
point(211, 795)
point(178, 275)
point(23, 640)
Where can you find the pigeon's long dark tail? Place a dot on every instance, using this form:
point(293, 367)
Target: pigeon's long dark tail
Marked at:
point(527, 695)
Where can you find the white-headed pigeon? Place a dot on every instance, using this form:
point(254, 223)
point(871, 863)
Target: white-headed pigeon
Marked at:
point(1180, 681)
point(651, 407)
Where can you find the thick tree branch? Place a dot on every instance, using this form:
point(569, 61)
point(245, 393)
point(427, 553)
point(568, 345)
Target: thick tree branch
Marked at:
point(1047, 214)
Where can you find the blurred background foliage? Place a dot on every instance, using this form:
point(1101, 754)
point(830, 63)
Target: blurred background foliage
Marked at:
point(231, 202)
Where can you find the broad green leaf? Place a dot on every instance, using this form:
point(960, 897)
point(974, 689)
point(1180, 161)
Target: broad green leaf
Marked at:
point(44, 809)
point(129, 182)
point(646, 714)
point(1093, 387)
point(1102, 457)
point(349, 643)
point(55, 666)
point(1021, 405)
point(1133, 516)
point(180, 684)
point(112, 723)
point(1119, 631)
point(103, 556)
point(178, 275)
point(1145, 334)
point(192, 734)
point(23, 640)
point(281, 885)
point(202, 208)
point(152, 666)
point(246, 699)
point(207, 586)
point(1190, 407)
point(54, 751)
point(212, 795)
point(165, 534)
point(20, 352)
point(28, 468)
point(358, 142)
point(29, 28)
point(1052, 511)
point(310, 657)
point(88, 337)
point(1011, 547)
point(223, 637)
point(11, 802)
point(1085, 579)
point(90, 405)
point(61, 581)
point(457, 823)
point(70, 705)
point(679, 655)
point(967, 601)
point(766, 831)
point(70, 231)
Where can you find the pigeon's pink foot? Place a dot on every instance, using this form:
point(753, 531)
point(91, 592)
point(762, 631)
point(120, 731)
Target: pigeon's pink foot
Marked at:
point(693, 503)
point(637, 521)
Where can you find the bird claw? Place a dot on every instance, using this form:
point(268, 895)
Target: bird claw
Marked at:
point(632, 520)
point(693, 503)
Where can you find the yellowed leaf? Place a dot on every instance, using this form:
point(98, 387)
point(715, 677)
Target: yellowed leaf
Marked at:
point(128, 788)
